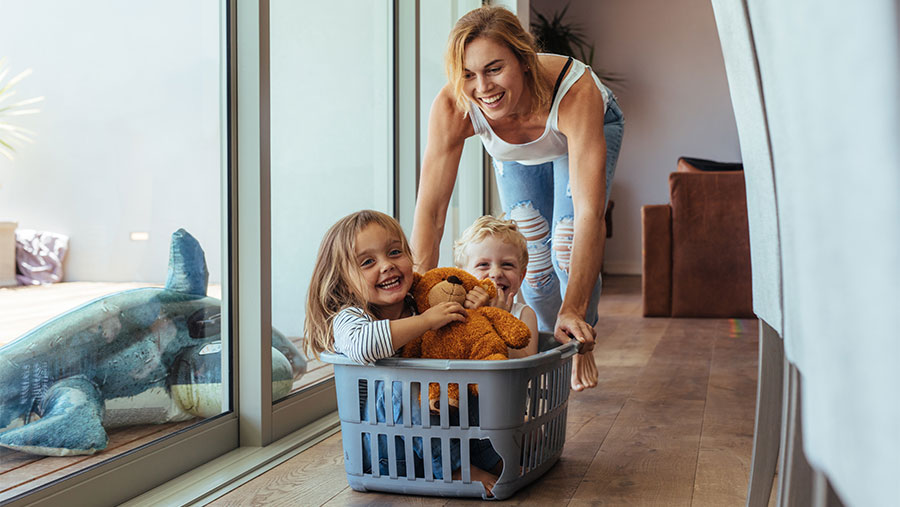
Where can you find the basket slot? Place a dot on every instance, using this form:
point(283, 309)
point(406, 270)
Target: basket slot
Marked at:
point(367, 451)
point(465, 460)
point(526, 449)
point(544, 394)
point(410, 460)
point(395, 413)
point(444, 407)
point(553, 380)
point(426, 459)
point(405, 406)
point(426, 419)
point(531, 401)
point(544, 440)
point(556, 431)
point(414, 403)
point(371, 403)
point(556, 379)
point(392, 457)
point(362, 393)
point(532, 456)
point(446, 465)
point(464, 405)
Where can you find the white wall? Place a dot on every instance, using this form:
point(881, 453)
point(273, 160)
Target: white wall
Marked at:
point(675, 101)
point(331, 133)
point(128, 135)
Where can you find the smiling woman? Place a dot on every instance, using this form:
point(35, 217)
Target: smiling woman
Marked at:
point(554, 133)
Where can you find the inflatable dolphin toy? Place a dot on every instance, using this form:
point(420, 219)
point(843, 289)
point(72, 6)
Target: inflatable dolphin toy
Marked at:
point(142, 356)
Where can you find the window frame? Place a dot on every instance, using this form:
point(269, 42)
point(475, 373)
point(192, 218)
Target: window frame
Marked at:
point(254, 422)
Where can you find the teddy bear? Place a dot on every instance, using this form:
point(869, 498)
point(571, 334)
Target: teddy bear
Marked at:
point(486, 333)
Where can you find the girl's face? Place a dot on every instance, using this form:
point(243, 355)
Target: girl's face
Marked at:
point(497, 260)
point(494, 79)
point(386, 273)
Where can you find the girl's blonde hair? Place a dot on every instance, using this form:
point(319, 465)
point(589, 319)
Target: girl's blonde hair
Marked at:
point(334, 283)
point(503, 27)
point(488, 226)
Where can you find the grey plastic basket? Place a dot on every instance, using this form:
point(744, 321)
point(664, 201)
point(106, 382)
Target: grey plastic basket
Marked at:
point(522, 411)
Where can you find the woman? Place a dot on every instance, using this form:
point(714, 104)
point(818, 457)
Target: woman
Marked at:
point(554, 133)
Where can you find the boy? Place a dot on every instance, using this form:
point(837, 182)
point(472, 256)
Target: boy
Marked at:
point(495, 249)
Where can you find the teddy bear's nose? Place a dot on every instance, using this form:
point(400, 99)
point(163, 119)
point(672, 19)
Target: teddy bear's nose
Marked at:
point(454, 280)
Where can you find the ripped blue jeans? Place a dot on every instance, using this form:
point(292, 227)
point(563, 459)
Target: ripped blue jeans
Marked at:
point(536, 196)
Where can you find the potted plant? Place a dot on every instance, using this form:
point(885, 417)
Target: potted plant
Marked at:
point(562, 37)
point(11, 135)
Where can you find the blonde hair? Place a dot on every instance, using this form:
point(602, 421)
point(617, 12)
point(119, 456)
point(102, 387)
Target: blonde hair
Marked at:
point(333, 286)
point(503, 27)
point(488, 226)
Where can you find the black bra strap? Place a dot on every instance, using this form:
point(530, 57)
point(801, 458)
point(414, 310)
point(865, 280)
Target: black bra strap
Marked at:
point(560, 78)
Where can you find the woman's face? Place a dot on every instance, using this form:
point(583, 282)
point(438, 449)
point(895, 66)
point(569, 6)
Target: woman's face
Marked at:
point(494, 79)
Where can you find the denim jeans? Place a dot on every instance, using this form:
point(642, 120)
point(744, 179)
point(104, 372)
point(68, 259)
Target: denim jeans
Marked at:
point(536, 196)
point(482, 454)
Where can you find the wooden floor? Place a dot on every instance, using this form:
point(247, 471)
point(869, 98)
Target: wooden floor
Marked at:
point(670, 424)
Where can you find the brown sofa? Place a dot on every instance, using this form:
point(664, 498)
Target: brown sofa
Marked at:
point(696, 250)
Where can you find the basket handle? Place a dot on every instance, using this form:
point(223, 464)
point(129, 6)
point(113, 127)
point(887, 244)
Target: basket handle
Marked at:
point(568, 352)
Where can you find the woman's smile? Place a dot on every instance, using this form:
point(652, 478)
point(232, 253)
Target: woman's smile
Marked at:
point(492, 100)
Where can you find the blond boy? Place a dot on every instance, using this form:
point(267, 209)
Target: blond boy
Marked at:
point(495, 249)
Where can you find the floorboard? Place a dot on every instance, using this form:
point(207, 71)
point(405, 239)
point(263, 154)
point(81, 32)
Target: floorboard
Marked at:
point(670, 423)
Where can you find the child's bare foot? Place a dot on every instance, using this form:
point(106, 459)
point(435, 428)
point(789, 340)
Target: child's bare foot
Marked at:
point(487, 479)
point(584, 371)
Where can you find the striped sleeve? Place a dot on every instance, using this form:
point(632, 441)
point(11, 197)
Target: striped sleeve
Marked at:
point(360, 338)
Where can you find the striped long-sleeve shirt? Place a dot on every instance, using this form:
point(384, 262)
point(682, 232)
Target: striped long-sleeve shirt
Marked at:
point(360, 338)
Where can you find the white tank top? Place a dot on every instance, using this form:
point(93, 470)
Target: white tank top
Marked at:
point(552, 144)
point(516, 309)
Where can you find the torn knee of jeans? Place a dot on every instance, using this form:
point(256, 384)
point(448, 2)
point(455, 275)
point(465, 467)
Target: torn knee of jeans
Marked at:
point(537, 234)
point(563, 237)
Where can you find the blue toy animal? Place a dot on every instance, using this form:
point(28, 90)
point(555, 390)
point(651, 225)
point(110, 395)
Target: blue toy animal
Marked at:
point(142, 356)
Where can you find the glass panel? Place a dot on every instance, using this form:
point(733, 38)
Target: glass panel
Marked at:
point(331, 139)
point(125, 346)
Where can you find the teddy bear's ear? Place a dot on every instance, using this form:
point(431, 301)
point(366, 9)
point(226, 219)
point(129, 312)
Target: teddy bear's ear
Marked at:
point(489, 286)
point(416, 279)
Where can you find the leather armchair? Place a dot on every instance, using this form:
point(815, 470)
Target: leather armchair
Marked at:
point(696, 249)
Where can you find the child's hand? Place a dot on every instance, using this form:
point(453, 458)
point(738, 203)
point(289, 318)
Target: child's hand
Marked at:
point(503, 301)
point(442, 314)
point(476, 298)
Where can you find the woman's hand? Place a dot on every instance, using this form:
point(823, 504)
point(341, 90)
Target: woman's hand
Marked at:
point(476, 298)
point(572, 326)
point(442, 314)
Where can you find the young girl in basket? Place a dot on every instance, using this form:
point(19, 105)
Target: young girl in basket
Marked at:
point(359, 305)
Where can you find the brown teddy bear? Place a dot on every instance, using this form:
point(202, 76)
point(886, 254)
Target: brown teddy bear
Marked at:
point(485, 334)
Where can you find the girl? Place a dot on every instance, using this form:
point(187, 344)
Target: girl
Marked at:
point(359, 305)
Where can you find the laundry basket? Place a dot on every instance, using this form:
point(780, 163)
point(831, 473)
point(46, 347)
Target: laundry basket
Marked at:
point(521, 410)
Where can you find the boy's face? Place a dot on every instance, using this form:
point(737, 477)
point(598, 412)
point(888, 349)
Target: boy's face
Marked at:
point(496, 260)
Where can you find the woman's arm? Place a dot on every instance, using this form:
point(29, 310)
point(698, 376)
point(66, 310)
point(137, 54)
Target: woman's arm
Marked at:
point(447, 131)
point(581, 120)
